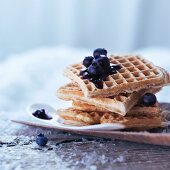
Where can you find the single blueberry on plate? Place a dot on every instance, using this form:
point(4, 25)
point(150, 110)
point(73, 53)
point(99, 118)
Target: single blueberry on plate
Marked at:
point(99, 51)
point(41, 140)
point(148, 99)
point(87, 61)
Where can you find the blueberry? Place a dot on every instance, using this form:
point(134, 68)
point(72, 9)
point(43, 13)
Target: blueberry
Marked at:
point(41, 114)
point(99, 66)
point(96, 80)
point(95, 70)
point(112, 70)
point(82, 71)
point(103, 62)
point(86, 75)
point(99, 85)
point(99, 51)
point(87, 61)
point(148, 99)
point(97, 56)
point(41, 140)
point(116, 66)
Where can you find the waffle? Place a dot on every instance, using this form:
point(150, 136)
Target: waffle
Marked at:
point(79, 105)
point(136, 110)
point(91, 118)
point(84, 118)
point(136, 73)
point(138, 121)
point(119, 104)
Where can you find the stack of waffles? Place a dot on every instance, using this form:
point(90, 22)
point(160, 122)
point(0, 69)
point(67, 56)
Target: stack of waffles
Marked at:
point(118, 102)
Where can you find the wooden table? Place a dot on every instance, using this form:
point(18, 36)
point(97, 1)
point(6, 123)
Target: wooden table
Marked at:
point(18, 150)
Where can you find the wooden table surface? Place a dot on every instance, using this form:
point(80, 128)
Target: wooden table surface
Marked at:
point(18, 150)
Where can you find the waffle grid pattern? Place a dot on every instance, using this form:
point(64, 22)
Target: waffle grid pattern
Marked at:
point(112, 118)
point(134, 69)
point(136, 110)
point(70, 88)
point(132, 121)
point(80, 116)
point(90, 118)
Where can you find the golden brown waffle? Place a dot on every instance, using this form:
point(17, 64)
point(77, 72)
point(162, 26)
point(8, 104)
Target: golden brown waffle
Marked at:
point(79, 105)
point(136, 110)
point(138, 121)
point(89, 118)
point(85, 118)
point(137, 73)
point(119, 104)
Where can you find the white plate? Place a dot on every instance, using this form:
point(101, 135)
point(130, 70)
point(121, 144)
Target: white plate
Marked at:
point(58, 122)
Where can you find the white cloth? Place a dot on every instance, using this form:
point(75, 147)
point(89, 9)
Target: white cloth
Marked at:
point(35, 76)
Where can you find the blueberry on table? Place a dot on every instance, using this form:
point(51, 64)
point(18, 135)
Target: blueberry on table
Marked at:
point(148, 99)
point(99, 51)
point(41, 140)
point(87, 61)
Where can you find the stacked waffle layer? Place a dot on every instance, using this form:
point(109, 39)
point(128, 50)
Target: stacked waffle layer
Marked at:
point(119, 101)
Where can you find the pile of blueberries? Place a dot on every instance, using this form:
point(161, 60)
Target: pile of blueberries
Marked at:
point(98, 67)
